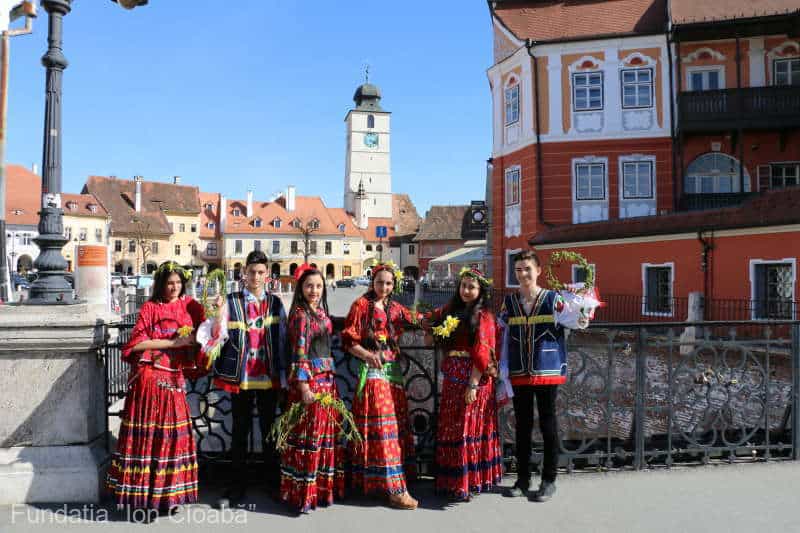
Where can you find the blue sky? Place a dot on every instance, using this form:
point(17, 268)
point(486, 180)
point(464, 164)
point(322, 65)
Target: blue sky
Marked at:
point(256, 94)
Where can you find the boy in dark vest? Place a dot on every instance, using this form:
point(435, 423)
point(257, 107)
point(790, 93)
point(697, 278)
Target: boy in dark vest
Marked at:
point(252, 368)
point(534, 360)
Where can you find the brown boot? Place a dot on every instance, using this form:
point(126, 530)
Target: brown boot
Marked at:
point(402, 501)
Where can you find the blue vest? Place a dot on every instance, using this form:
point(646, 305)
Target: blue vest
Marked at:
point(536, 347)
point(228, 365)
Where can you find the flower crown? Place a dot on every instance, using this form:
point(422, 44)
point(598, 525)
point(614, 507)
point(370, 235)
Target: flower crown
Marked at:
point(475, 274)
point(299, 271)
point(389, 266)
point(172, 266)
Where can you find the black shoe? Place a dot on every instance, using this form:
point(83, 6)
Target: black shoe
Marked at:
point(231, 497)
point(546, 491)
point(517, 490)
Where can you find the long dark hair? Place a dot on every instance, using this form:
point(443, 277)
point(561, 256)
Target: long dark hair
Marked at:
point(370, 341)
point(161, 276)
point(469, 313)
point(299, 301)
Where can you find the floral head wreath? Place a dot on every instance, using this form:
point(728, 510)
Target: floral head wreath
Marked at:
point(389, 266)
point(302, 269)
point(170, 267)
point(477, 275)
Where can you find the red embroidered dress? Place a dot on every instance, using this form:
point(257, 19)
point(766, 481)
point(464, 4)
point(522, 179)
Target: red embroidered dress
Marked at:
point(155, 465)
point(311, 464)
point(468, 453)
point(380, 408)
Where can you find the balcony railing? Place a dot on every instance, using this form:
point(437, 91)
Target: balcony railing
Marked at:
point(697, 202)
point(748, 108)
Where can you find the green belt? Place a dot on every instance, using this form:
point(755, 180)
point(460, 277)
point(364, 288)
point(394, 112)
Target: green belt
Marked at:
point(391, 371)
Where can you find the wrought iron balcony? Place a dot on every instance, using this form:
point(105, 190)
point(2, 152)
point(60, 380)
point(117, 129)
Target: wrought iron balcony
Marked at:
point(748, 108)
point(698, 202)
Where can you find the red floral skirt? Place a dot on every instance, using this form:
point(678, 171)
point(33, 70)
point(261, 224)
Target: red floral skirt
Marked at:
point(155, 465)
point(468, 453)
point(383, 461)
point(311, 465)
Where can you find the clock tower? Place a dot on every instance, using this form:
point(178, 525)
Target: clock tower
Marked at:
point(367, 162)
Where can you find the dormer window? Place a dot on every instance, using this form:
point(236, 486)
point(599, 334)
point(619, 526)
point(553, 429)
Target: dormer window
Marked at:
point(341, 228)
point(18, 212)
point(257, 223)
point(296, 223)
point(276, 222)
point(237, 212)
point(314, 224)
point(72, 206)
point(209, 207)
point(211, 225)
point(93, 208)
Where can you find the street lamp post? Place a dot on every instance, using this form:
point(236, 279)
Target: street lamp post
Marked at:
point(51, 287)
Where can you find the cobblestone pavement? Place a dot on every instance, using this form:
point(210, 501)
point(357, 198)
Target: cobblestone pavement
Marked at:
point(730, 498)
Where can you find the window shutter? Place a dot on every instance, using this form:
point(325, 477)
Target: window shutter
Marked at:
point(764, 176)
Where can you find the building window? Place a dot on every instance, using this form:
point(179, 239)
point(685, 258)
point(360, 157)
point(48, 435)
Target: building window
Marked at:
point(714, 173)
point(313, 247)
point(657, 289)
point(117, 245)
point(211, 225)
point(82, 234)
point(637, 179)
point(346, 248)
point(579, 273)
point(512, 104)
point(131, 246)
point(369, 247)
point(773, 290)
point(347, 271)
point(296, 223)
point(209, 207)
point(705, 79)
point(590, 181)
point(341, 228)
point(193, 248)
point(370, 121)
point(412, 250)
point(276, 247)
point(257, 223)
point(511, 277)
point(314, 224)
point(154, 247)
point(328, 247)
point(25, 238)
point(784, 175)
point(182, 228)
point(98, 235)
point(787, 71)
point(194, 228)
point(93, 208)
point(293, 247)
point(257, 245)
point(276, 223)
point(211, 249)
point(637, 88)
point(587, 91)
point(237, 246)
point(512, 186)
point(237, 212)
point(177, 249)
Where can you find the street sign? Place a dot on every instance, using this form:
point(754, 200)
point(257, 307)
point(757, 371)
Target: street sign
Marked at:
point(381, 232)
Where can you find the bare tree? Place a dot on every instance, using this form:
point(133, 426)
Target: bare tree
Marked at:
point(143, 237)
point(306, 229)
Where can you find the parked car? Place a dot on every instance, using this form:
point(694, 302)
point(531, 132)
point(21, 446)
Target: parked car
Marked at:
point(116, 279)
point(346, 282)
point(363, 281)
point(143, 281)
point(19, 281)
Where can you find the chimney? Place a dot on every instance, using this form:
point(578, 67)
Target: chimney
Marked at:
point(290, 198)
point(223, 213)
point(35, 168)
point(249, 203)
point(138, 196)
point(176, 180)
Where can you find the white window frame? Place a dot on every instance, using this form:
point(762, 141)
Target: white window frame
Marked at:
point(792, 261)
point(83, 234)
point(787, 60)
point(98, 234)
point(237, 212)
point(257, 223)
point(720, 69)
point(211, 249)
point(276, 222)
point(177, 249)
point(636, 84)
point(782, 164)
point(587, 87)
point(589, 164)
point(637, 162)
point(510, 269)
point(211, 225)
point(509, 192)
point(575, 268)
point(645, 266)
point(154, 247)
point(274, 251)
point(511, 103)
point(238, 246)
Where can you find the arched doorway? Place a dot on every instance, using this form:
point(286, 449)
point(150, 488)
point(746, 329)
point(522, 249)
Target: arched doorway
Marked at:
point(292, 268)
point(24, 264)
point(715, 173)
point(118, 268)
point(314, 265)
point(127, 267)
point(330, 271)
point(276, 270)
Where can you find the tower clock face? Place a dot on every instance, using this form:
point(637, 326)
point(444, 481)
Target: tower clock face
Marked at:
point(370, 140)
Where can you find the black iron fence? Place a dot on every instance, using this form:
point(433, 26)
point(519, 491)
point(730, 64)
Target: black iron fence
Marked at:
point(748, 107)
point(637, 394)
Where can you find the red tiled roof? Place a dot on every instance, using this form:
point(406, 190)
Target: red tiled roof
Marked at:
point(340, 216)
point(569, 19)
point(691, 11)
point(23, 196)
point(306, 209)
point(443, 223)
point(209, 215)
point(80, 204)
point(774, 208)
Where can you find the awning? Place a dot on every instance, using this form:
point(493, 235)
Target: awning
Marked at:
point(472, 254)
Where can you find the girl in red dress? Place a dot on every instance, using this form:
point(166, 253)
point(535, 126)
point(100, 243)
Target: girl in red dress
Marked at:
point(155, 465)
point(311, 464)
point(468, 453)
point(380, 408)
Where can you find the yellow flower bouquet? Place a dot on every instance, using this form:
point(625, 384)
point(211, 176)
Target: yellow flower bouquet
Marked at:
point(296, 414)
point(446, 328)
